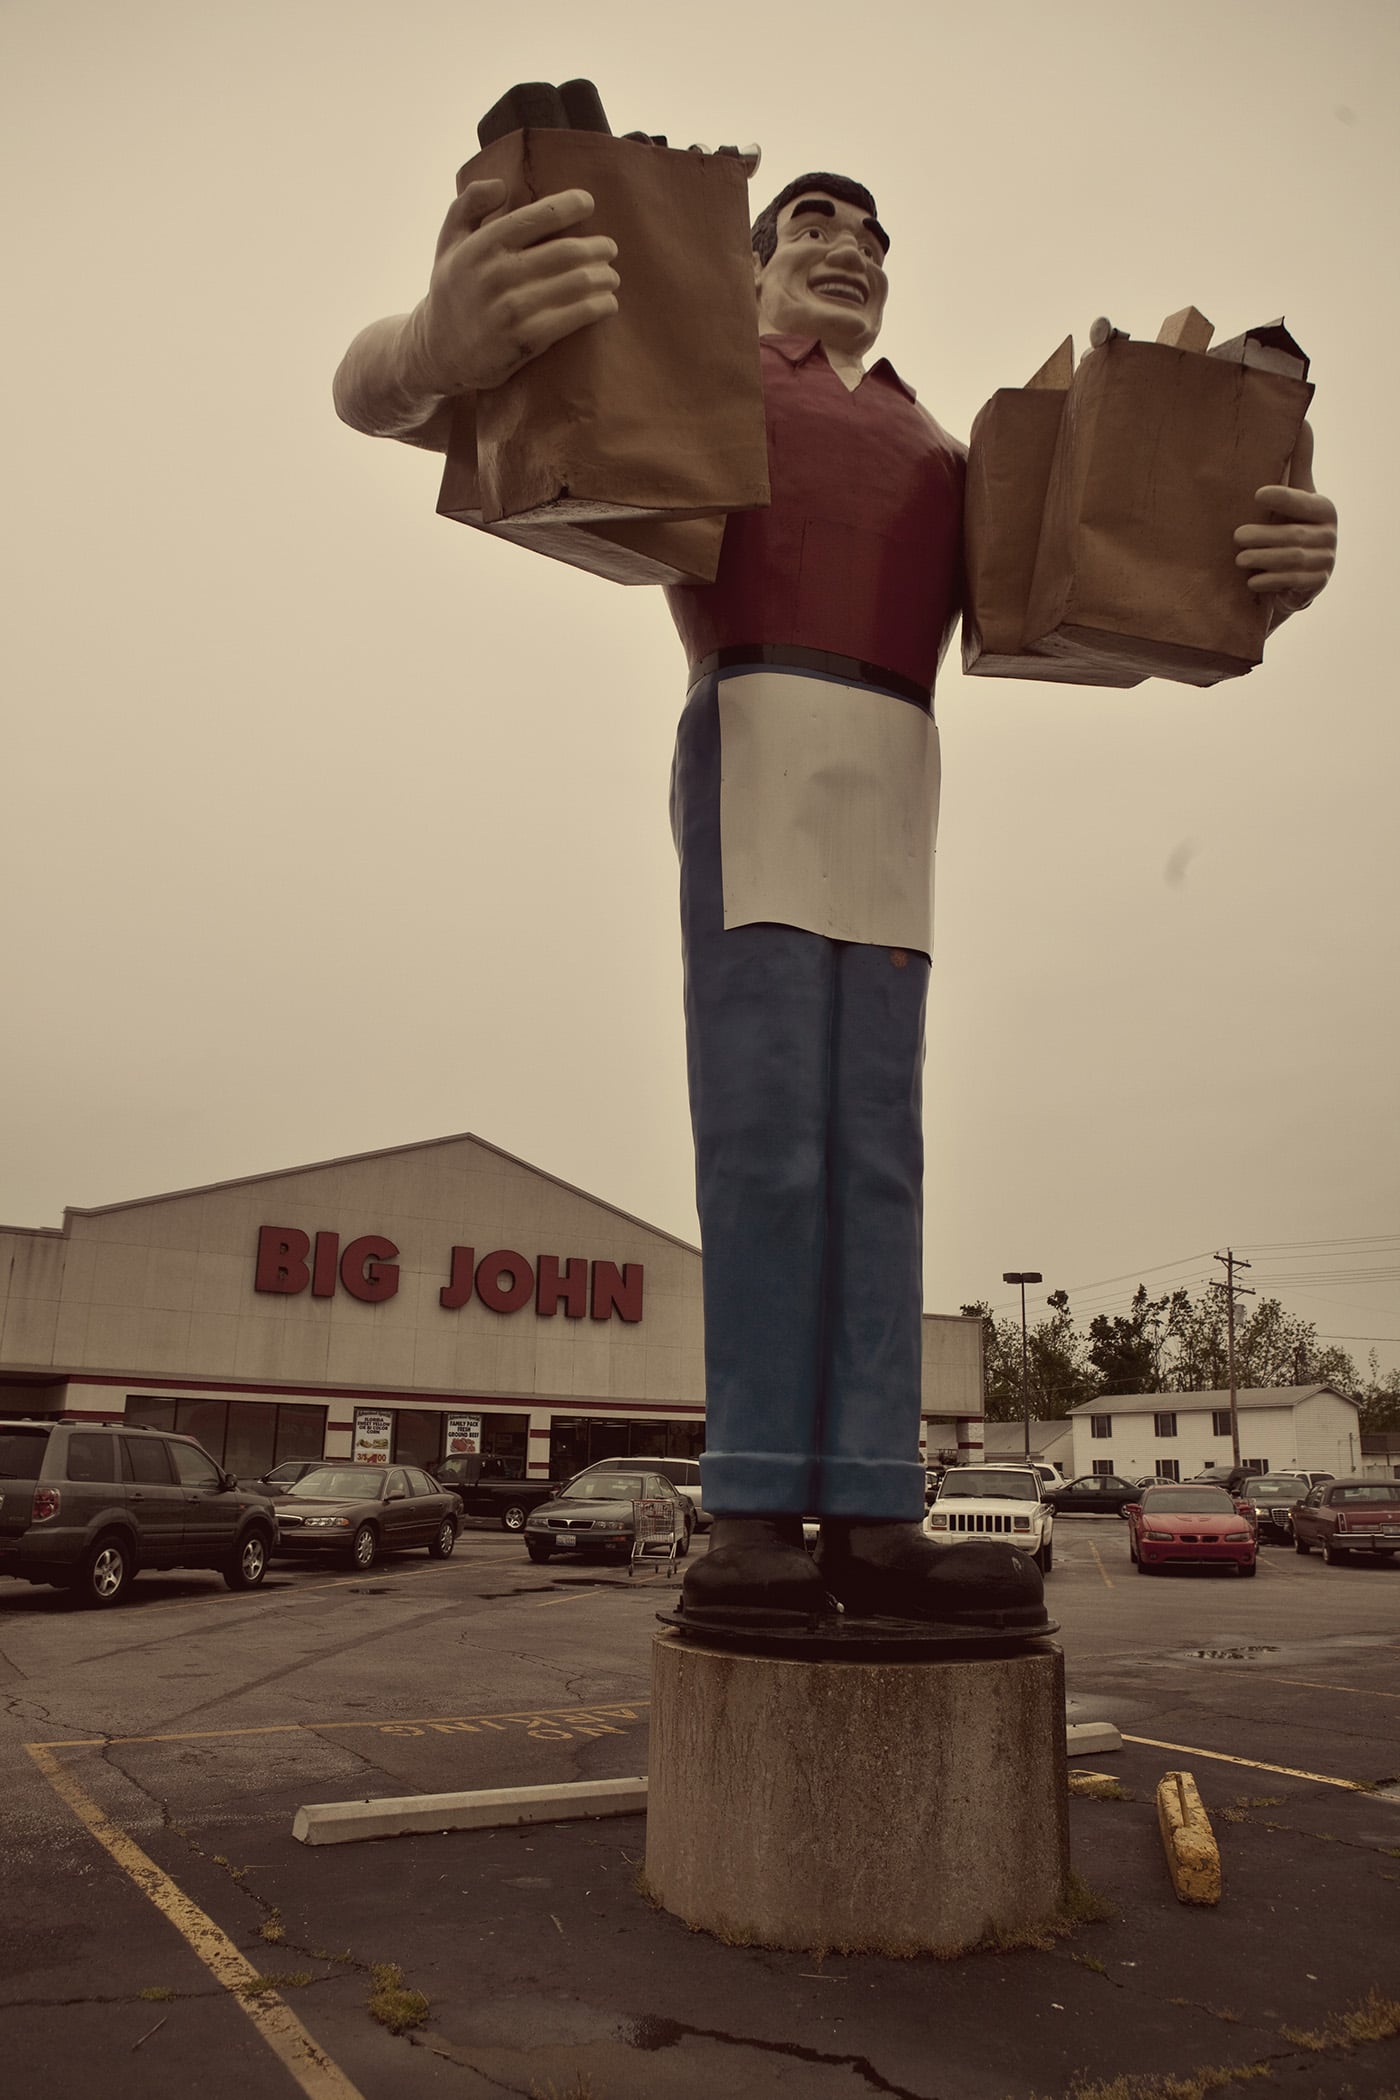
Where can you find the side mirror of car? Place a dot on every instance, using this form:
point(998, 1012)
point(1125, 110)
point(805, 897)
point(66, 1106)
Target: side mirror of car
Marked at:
point(227, 1480)
point(1131, 1509)
point(397, 1495)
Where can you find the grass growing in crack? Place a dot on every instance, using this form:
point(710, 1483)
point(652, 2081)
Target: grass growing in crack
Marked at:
point(1090, 1962)
point(1190, 2085)
point(1375, 2019)
point(392, 2002)
point(581, 2089)
point(1086, 1787)
point(276, 1980)
point(157, 1993)
point(271, 1928)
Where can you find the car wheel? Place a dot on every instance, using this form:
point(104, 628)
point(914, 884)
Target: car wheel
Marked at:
point(441, 1547)
point(683, 1545)
point(1045, 1559)
point(364, 1547)
point(1335, 1556)
point(104, 1576)
point(1249, 1567)
point(1142, 1567)
point(1300, 1545)
point(538, 1550)
point(513, 1518)
point(249, 1564)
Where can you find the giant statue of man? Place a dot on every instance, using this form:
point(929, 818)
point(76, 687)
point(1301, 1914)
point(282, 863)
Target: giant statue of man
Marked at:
point(804, 803)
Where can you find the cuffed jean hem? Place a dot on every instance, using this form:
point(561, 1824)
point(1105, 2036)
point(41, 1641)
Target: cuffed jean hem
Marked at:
point(873, 1490)
point(758, 1483)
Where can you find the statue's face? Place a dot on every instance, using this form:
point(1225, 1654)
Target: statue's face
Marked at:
point(826, 277)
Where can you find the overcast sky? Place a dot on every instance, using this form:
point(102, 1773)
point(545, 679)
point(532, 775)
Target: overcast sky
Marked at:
point(326, 824)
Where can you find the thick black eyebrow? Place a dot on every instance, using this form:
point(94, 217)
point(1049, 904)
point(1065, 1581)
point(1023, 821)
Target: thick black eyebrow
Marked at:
point(825, 206)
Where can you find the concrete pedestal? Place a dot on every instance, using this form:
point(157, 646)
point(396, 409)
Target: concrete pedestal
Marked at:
point(857, 1807)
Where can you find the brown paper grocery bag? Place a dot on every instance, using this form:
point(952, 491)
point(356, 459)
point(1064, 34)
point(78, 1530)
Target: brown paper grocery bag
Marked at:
point(1159, 453)
point(625, 550)
point(1010, 454)
point(656, 414)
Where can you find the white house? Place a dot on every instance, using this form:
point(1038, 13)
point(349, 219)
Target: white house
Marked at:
point(1177, 1434)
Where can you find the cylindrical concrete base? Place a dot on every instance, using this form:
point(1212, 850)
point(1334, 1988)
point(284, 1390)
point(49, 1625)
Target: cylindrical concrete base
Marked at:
point(877, 1808)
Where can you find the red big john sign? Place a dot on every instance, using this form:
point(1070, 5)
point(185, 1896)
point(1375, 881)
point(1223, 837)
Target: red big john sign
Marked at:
point(504, 1281)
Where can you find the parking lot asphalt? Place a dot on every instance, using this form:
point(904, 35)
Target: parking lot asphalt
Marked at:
point(159, 1918)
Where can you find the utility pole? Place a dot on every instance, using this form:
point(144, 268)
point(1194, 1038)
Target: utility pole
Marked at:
point(1232, 1262)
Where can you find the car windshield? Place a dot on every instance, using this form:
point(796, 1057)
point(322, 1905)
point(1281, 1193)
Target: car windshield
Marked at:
point(1276, 1490)
point(605, 1487)
point(1003, 1487)
point(1368, 1491)
point(1188, 1501)
point(342, 1484)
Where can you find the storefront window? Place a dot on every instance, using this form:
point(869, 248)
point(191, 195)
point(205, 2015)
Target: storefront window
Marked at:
point(247, 1436)
point(577, 1441)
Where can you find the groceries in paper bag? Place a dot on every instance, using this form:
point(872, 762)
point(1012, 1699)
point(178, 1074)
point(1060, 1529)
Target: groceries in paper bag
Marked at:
point(1102, 503)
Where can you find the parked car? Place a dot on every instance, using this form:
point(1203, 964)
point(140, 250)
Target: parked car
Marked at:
point(1270, 1499)
point(361, 1511)
point(1049, 1476)
point(1312, 1480)
point(1231, 1478)
point(84, 1505)
point(595, 1514)
point(282, 1477)
point(1092, 1494)
point(1002, 1502)
point(487, 1487)
point(1185, 1524)
point(683, 1473)
point(1349, 1517)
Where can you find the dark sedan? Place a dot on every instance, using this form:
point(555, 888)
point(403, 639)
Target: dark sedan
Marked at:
point(1270, 1500)
point(361, 1511)
point(1093, 1494)
point(596, 1513)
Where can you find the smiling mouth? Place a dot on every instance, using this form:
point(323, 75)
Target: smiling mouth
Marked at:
point(845, 289)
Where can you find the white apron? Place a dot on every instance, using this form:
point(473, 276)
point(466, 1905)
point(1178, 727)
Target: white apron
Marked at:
point(828, 809)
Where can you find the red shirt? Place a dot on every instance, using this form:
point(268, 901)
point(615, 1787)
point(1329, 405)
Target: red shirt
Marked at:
point(859, 552)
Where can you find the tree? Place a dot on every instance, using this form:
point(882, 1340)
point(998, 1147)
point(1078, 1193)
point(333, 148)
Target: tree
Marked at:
point(1125, 1351)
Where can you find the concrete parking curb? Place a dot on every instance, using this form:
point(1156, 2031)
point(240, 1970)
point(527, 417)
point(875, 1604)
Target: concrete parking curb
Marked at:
point(349, 1822)
point(1091, 1738)
point(1193, 1857)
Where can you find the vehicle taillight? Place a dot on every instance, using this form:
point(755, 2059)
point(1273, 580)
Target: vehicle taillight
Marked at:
point(1341, 1520)
point(47, 1503)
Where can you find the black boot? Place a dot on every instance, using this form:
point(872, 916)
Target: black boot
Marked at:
point(893, 1571)
point(757, 1573)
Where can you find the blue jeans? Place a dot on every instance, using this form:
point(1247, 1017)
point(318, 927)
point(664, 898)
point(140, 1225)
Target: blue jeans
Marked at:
point(805, 1061)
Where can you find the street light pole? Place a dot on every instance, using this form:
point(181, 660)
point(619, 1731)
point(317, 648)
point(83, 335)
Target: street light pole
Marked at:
point(1023, 1277)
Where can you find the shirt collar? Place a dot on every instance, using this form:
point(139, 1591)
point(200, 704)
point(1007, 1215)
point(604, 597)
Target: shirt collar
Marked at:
point(798, 348)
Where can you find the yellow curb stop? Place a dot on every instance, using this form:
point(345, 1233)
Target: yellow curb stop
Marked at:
point(1193, 1857)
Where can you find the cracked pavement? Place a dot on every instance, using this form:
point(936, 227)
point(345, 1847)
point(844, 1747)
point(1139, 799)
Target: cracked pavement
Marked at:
point(198, 1720)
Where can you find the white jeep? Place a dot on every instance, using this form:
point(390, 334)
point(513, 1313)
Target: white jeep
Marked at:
point(996, 1502)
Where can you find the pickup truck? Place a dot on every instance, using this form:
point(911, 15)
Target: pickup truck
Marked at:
point(488, 1490)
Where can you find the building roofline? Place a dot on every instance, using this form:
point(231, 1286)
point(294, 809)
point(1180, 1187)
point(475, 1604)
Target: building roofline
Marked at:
point(316, 1166)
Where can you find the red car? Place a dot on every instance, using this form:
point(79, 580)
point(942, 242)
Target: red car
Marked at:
point(1189, 1526)
point(1348, 1517)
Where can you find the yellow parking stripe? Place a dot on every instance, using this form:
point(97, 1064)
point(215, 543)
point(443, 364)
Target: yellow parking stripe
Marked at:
point(1358, 1691)
point(1253, 1764)
point(318, 2077)
point(1109, 1583)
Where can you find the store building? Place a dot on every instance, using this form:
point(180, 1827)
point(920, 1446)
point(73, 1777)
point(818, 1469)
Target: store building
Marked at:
point(434, 1298)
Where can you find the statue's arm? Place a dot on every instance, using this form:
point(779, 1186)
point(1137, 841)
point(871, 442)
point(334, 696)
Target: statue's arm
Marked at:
point(1292, 555)
point(502, 289)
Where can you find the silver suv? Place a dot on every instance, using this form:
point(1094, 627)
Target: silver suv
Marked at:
point(83, 1505)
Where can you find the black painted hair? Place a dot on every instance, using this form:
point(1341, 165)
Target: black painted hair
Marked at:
point(841, 187)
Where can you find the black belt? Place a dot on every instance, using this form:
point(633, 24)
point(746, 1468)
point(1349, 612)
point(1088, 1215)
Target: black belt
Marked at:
point(849, 669)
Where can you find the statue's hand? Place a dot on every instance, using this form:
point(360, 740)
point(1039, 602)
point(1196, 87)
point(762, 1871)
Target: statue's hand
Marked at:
point(1293, 554)
point(504, 288)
